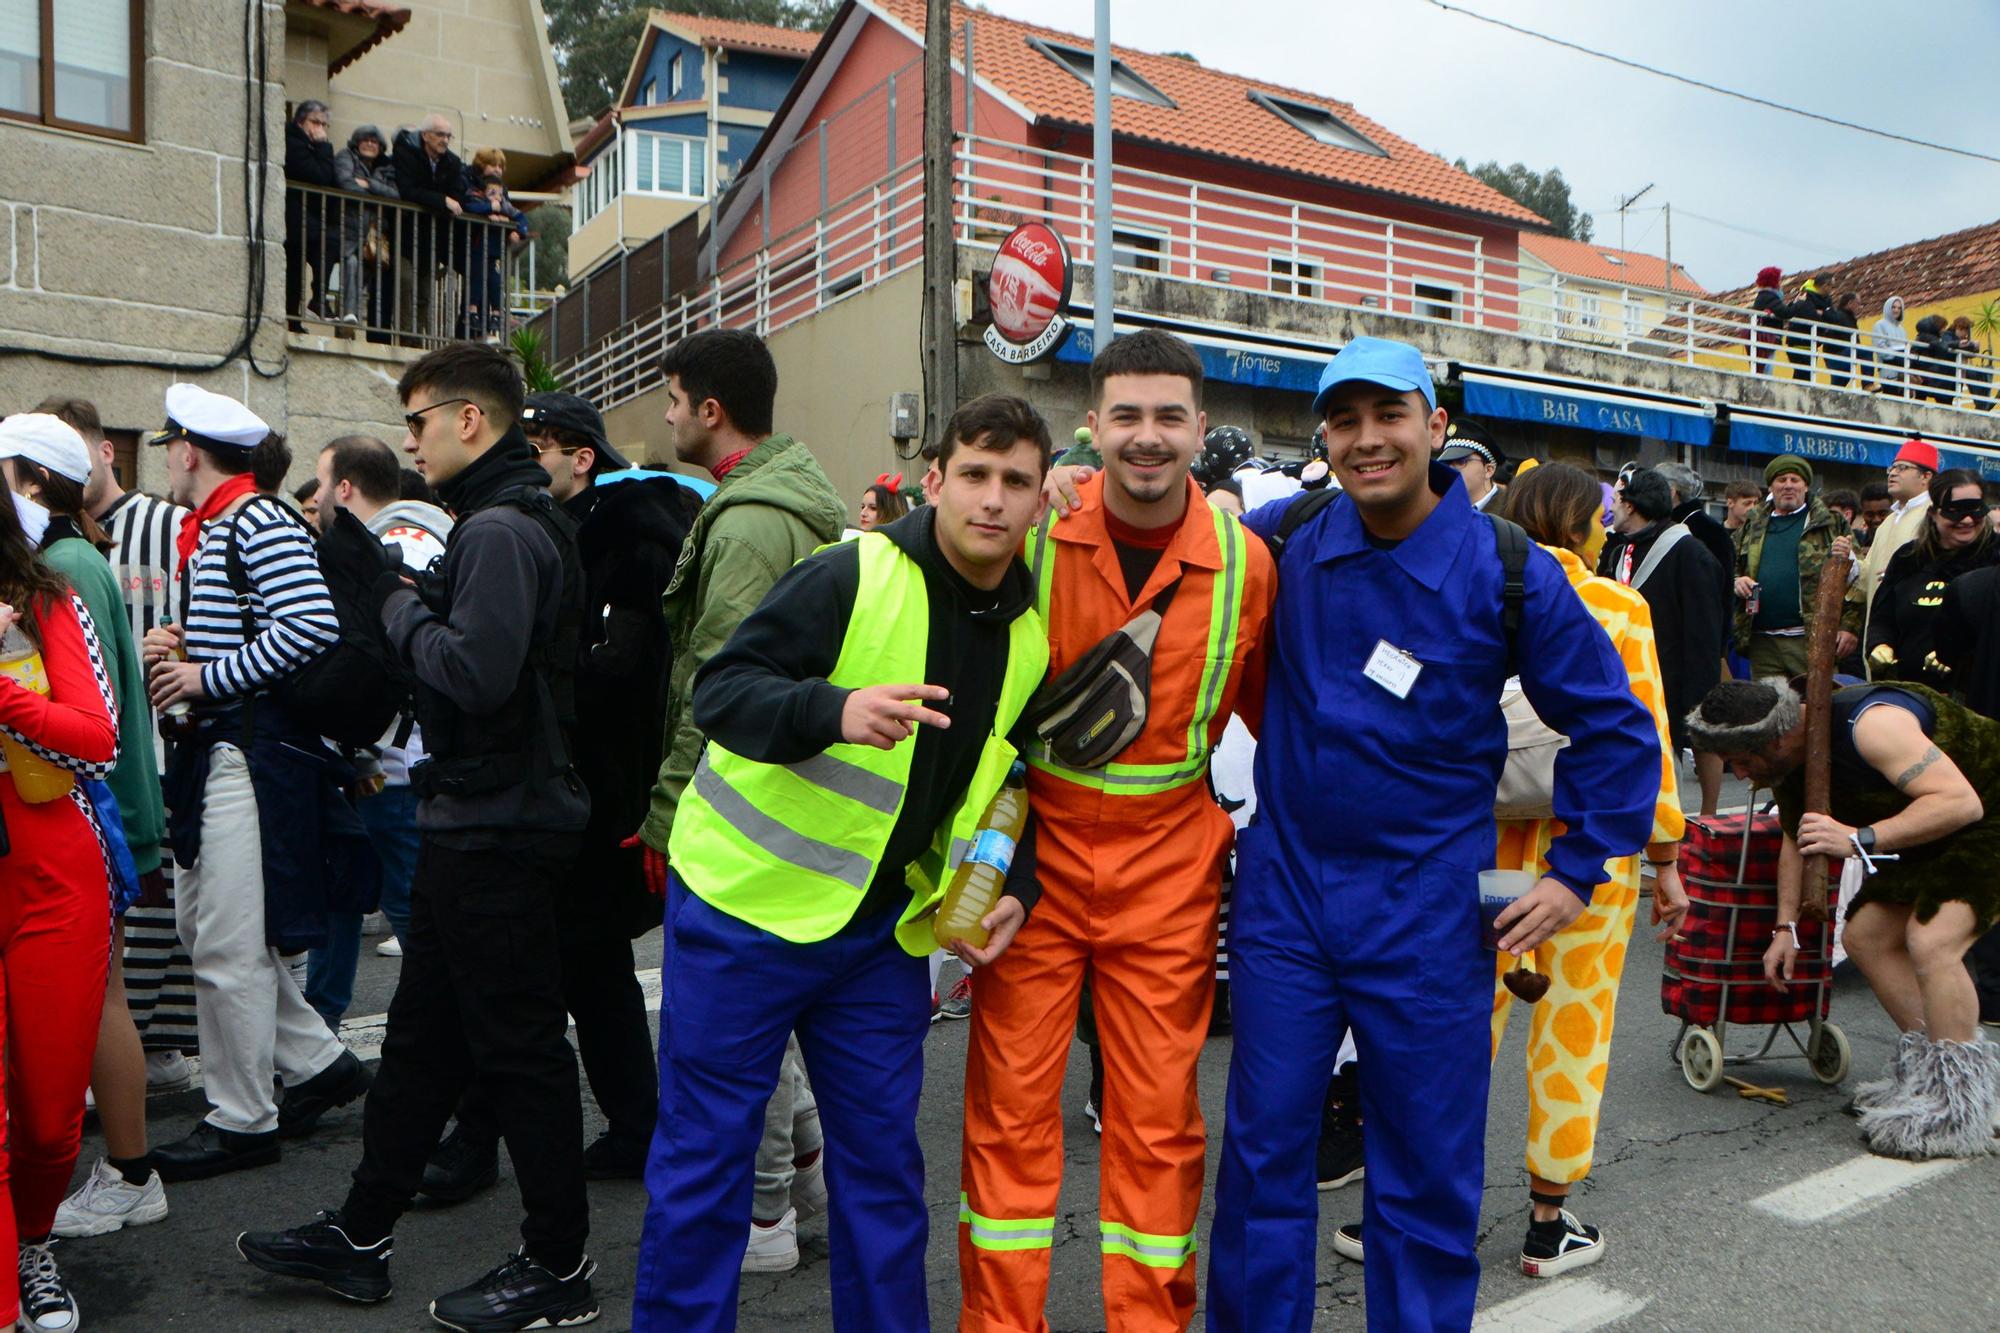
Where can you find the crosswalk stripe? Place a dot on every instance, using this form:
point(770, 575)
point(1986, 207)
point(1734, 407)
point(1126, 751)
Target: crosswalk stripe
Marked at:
point(1567, 1305)
point(1852, 1187)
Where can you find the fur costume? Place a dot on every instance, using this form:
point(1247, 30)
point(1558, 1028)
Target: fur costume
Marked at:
point(1944, 1104)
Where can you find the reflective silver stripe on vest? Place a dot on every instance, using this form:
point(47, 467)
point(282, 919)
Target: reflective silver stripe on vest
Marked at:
point(850, 780)
point(850, 868)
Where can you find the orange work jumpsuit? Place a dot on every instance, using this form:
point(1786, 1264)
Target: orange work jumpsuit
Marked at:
point(1130, 860)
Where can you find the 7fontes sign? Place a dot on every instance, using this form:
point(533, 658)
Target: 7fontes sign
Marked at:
point(1027, 290)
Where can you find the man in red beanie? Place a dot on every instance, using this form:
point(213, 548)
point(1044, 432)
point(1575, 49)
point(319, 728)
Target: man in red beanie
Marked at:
point(1910, 501)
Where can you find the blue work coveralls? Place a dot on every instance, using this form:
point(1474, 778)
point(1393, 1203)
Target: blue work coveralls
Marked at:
point(1356, 894)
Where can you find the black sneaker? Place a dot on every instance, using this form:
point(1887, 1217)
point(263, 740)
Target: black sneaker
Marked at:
point(520, 1294)
point(1340, 1160)
point(46, 1303)
point(208, 1151)
point(462, 1166)
point(1559, 1245)
point(1347, 1242)
point(320, 1250)
point(335, 1086)
point(613, 1156)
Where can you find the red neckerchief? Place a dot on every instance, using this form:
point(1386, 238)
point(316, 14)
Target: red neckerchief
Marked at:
point(723, 466)
point(225, 495)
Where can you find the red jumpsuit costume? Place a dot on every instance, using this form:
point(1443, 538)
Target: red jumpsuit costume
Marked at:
point(55, 926)
point(1130, 860)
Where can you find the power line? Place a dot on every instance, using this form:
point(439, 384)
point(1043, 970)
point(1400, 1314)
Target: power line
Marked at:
point(1761, 235)
point(1715, 88)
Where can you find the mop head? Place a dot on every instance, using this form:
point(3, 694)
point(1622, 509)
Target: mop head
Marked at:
point(1744, 716)
point(1945, 1105)
point(1876, 1093)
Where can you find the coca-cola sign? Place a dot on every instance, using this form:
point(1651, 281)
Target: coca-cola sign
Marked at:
point(1027, 290)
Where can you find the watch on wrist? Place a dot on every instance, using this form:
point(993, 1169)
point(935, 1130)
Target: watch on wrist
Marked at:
point(1864, 838)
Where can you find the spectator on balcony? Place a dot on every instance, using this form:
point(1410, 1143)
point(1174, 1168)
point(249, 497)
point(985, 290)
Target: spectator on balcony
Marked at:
point(364, 167)
point(1933, 362)
point(308, 162)
point(1891, 347)
point(1806, 327)
point(1973, 366)
point(428, 174)
point(1837, 334)
point(501, 227)
point(1773, 313)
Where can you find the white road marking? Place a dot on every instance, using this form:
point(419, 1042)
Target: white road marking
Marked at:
point(1560, 1305)
point(1852, 1187)
point(364, 1035)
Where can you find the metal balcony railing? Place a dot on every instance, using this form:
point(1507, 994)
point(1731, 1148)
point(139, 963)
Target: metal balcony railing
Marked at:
point(398, 272)
point(1188, 231)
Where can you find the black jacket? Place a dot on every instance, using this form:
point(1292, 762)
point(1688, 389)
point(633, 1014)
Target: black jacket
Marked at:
point(1906, 605)
point(1840, 325)
point(1966, 638)
point(499, 603)
point(1809, 311)
point(306, 163)
point(1773, 311)
point(1690, 619)
point(422, 181)
point(766, 697)
point(1719, 543)
point(1933, 358)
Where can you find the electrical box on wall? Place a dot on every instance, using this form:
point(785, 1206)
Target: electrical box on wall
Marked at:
point(905, 418)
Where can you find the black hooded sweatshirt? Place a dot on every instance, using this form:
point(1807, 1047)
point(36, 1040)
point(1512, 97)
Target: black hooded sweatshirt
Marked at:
point(765, 695)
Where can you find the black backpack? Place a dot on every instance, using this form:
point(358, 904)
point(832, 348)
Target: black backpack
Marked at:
point(355, 690)
point(1511, 537)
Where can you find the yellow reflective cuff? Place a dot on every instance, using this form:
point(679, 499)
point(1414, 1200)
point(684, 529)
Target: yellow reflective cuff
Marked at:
point(998, 1233)
point(1141, 1247)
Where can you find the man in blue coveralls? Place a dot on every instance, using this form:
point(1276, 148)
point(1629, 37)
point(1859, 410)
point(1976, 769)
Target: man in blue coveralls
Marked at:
point(1357, 893)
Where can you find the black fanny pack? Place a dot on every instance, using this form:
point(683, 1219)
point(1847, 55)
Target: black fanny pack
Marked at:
point(1097, 706)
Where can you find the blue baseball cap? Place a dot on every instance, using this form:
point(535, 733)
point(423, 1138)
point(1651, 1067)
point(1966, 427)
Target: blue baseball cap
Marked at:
point(1382, 361)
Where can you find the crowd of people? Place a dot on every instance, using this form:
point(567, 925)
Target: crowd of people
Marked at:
point(531, 702)
point(1938, 361)
point(436, 269)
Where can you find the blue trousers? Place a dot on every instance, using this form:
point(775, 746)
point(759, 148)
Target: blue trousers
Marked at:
point(391, 817)
point(729, 994)
point(1391, 950)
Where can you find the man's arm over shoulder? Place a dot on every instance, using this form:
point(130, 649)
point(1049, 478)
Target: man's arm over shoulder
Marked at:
point(474, 655)
point(1608, 777)
point(764, 694)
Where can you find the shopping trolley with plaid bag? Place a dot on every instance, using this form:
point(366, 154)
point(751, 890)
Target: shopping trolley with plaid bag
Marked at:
point(1714, 970)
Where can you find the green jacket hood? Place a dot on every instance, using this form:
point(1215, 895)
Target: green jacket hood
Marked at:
point(782, 473)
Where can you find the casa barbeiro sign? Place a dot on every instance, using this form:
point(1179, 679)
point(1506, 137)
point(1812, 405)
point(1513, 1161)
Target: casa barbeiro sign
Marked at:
point(1027, 290)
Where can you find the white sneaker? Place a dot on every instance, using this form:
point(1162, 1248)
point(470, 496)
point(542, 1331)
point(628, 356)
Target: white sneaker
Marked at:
point(167, 1071)
point(107, 1202)
point(774, 1249)
point(809, 1188)
point(389, 948)
point(46, 1303)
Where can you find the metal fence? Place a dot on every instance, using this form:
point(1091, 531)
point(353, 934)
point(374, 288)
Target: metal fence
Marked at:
point(397, 272)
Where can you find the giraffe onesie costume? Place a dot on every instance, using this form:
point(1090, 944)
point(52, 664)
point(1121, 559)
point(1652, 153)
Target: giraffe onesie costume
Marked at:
point(1569, 1034)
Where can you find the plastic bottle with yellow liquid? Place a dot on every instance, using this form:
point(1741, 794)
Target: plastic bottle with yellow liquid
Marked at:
point(35, 778)
point(975, 885)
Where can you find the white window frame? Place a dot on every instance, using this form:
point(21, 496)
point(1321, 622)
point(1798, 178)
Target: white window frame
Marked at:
point(650, 94)
point(1425, 306)
point(675, 76)
point(647, 146)
point(1124, 233)
point(1300, 275)
point(1589, 310)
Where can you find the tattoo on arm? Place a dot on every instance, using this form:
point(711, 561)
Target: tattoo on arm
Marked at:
point(1930, 756)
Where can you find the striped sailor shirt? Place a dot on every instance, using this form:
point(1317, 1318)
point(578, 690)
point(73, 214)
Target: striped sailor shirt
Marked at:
point(291, 611)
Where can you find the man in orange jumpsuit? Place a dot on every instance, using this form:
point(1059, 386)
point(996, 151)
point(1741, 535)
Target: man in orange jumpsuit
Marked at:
point(1130, 860)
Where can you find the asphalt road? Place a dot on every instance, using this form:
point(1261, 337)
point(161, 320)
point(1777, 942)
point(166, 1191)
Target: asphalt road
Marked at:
point(1719, 1212)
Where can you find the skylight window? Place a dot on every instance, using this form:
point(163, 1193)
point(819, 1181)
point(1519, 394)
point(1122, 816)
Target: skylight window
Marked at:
point(1317, 121)
point(1611, 258)
point(1125, 81)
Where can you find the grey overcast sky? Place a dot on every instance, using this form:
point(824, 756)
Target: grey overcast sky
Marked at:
point(1749, 186)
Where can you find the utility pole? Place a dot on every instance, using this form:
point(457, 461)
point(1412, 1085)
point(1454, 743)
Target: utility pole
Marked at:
point(940, 322)
point(1668, 211)
point(1101, 248)
point(1624, 204)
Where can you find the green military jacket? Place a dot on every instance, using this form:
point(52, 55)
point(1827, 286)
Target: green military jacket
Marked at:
point(1822, 526)
point(772, 510)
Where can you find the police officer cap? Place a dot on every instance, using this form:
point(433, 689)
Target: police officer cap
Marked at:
point(572, 415)
point(212, 420)
point(1467, 437)
point(49, 441)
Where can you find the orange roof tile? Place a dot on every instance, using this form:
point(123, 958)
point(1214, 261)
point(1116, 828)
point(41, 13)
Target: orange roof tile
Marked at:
point(388, 19)
point(739, 36)
point(1582, 259)
point(1212, 114)
point(1963, 263)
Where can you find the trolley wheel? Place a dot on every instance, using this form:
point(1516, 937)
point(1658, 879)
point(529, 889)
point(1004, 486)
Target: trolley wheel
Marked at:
point(1701, 1060)
point(1830, 1054)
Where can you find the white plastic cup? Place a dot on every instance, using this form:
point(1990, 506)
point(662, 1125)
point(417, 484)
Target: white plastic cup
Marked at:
point(1498, 890)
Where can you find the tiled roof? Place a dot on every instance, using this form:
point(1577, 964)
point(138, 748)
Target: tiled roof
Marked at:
point(388, 20)
point(1581, 259)
point(1964, 263)
point(739, 36)
point(1212, 114)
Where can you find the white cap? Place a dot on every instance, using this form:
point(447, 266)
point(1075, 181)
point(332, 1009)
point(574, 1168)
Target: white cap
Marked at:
point(50, 441)
point(216, 418)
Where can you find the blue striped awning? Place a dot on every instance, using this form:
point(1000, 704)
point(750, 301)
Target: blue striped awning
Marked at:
point(1581, 405)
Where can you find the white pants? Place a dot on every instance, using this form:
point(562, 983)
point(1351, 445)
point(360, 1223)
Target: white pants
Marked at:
point(249, 1011)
